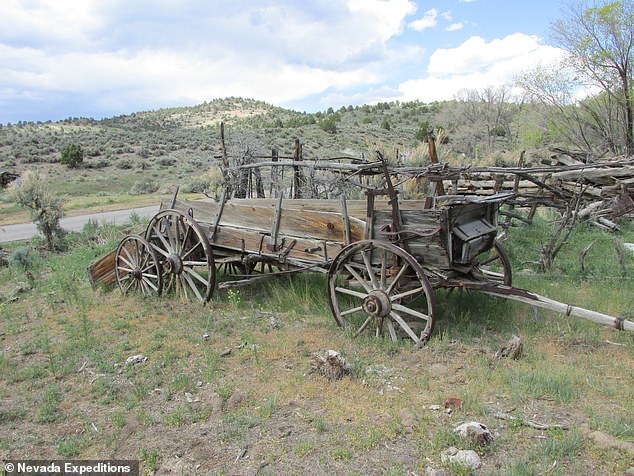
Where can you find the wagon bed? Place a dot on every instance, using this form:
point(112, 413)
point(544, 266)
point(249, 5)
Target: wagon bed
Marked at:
point(384, 256)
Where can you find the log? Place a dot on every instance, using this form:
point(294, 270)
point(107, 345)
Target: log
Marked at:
point(534, 299)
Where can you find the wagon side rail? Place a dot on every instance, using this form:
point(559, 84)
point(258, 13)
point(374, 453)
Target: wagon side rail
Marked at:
point(534, 299)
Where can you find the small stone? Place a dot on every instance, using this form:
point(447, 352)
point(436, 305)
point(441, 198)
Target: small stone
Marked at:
point(513, 349)
point(454, 403)
point(332, 365)
point(434, 407)
point(189, 397)
point(468, 458)
point(235, 400)
point(206, 336)
point(448, 411)
point(226, 352)
point(135, 359)
point(474, 431)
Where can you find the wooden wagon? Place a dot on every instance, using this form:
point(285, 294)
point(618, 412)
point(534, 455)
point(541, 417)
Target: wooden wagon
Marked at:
point(383, 256)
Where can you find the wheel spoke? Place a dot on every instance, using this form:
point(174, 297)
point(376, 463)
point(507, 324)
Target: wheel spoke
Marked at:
point(192, 285)
point(150, 284)
point(185, 237)
point(360, 280)
point(127, 252)
point(490, 260)
point(160, 250)
point(352, 311)
point(396, 297)
point(404, 326)
point(177, 241)
point(127, 270)
point(368, 266)
point(197, 276)
point(384, 269)
point(191, 249)
point(195, 263)
point(169, 231)
point(128, 262)
point(392, 331)
point(132, 281)
point(351, 292)
point(167, 248)
point(398, 276)
point(363, 326)
point(411, 312)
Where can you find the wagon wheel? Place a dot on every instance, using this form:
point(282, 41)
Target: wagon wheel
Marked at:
point(185, 254)
point(368, 284)
point(137, 267)
point(495, 265)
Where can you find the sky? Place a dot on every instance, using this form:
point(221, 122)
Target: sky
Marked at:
point(103, 58)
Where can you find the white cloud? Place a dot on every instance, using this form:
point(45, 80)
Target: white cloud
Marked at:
point(429, 20)
point(166, 52)
point(455, 26)
point(476, 64)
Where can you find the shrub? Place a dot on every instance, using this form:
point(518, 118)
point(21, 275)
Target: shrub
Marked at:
point(144, 186)
point(124, 164)
point(167, 161)
point(44, 206)
point(72, 156)
point(22, 258)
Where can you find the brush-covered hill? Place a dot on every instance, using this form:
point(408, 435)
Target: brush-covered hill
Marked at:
point(153, 151)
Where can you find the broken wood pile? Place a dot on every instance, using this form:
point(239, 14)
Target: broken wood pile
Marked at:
point(605, 189)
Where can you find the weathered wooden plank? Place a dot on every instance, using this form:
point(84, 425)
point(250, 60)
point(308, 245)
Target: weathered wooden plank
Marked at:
point(101, 270)
point(253, 242)
point(322, 225)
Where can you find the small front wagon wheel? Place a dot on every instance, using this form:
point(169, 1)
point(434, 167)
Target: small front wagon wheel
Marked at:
point(374, 286)
point(137, 267)
point(185, 254)
point(494, 264)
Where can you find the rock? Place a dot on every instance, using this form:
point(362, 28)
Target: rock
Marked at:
point(206, 336)
point(434, 407)
point(474, 431)
point(226, 352)
point(454, 403)
point(332, 365)
point(467, 458)
point(235, 400)
point(208, 399)
point(513, 349)
point(135, 359)
point(274, 323)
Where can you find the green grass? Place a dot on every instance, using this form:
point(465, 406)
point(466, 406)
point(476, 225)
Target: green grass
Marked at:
point(64, 346)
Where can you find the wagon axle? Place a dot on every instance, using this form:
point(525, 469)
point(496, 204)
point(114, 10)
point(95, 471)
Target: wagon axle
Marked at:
point(377, 303)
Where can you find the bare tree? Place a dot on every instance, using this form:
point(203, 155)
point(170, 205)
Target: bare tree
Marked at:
point(600, 41)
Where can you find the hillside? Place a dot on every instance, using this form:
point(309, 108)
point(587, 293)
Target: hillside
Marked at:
point(129, 157)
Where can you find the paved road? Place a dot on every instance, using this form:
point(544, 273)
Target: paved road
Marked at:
point(25, 231)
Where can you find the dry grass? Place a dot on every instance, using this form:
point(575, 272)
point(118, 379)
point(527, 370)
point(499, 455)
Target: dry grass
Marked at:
point(66, 391)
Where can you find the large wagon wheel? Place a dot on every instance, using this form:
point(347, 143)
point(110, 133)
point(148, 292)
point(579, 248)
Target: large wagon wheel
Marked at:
point(185, 254)
point(373, 286)
point(495, 265)
point(137, 267)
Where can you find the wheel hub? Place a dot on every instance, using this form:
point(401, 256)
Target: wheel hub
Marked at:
point(377, 303)
point(137, 273)
point(174, 264)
